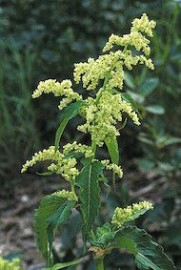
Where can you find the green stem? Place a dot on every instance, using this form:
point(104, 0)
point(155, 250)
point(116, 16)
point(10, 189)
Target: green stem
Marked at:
point(93, 146)
point(92, 235)
point(99, 263)
point(72, 184)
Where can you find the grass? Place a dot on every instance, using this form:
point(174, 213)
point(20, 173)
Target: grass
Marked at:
point(19, 135)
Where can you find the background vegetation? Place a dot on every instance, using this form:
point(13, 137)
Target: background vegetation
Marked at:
point(42, 39)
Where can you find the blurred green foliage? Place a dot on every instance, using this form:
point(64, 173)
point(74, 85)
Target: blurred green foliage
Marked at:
point(42, 39)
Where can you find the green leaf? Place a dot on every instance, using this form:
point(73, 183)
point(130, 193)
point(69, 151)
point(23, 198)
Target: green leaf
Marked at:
point(149, 86)
point(59, 217)
point(104, 235)
point(68, 113)
point(135, 100)
point(129, 80)
point(88, 182)
point(169, 140)
point(48, 216)
point(142, 138)
point(64, 265)
point(155, 109)
point(112, 146)
point(59, 132)
point(148, 254)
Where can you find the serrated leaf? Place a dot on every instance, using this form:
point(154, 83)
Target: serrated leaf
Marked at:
point(64, 265)
point(88, 182)
point(59, 217)
point(44, 216)
point(68, 113)
point(148, 254)
point(149, 86)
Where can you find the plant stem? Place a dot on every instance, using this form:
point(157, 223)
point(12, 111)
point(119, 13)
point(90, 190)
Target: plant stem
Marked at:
point(99, 263)
point(93, 146)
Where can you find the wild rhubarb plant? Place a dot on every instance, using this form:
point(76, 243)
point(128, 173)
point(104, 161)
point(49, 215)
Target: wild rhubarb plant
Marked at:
point(104, 112)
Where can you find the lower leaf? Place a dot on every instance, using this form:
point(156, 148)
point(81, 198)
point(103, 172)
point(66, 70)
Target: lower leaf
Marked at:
point(148, 254)
point(54, 210)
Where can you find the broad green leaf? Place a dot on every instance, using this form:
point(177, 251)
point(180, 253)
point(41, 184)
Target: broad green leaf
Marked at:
point(112, 146)
point(48, 216)
point(59, 217)
point(64, 265)
point(148, 254)
point(149, 86)
point(68, 113)
point(88, 182)
point(155, 109)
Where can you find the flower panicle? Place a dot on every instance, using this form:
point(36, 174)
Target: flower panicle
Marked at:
point(136, 38)
point(123, 215)
point(102, 115)
point(60, 162)
point(63, 89)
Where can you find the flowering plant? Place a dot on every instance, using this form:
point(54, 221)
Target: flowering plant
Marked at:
point(103, 112)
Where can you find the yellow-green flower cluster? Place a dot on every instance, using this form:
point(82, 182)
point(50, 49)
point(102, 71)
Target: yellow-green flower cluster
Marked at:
point(123, 215)
point(78, 148)
point(95, 70)
point(46, 154)
point(143, 25)
point(65, 167)
point(69, 195)
point(136, 38)
point(110, 66)
point(61, 165)
point(103, 113)
point(15, 264)
point(115, 168)
point(58, 89)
